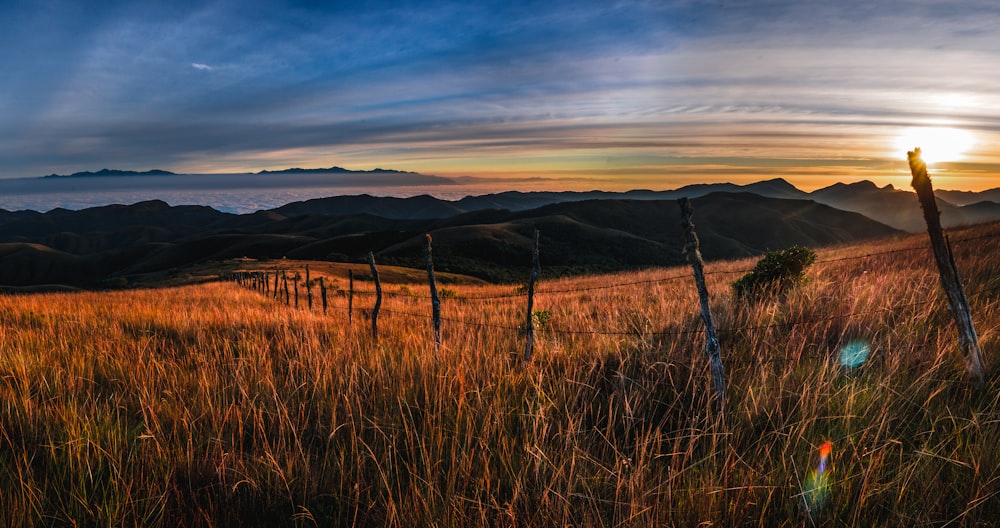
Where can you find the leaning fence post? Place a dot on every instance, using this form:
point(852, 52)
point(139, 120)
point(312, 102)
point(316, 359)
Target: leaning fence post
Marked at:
point(435, 301)
point(378, 295)
point(691, 249)
point(529, 345)
point(958, 303)
point(322, 293)
point(295, 280)
point(275, 284)
point(350, 296)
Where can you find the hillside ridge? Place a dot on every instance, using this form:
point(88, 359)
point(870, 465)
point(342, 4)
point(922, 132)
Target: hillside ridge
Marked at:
point(92, 246)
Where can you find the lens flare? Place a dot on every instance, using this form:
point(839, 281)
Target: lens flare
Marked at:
point(817, 488)
point(854, 353)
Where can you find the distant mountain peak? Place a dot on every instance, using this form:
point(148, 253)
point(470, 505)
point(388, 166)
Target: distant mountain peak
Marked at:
point(854, 187)
point(777, 181)
point(333, 170)
point(867, 185)
point(774, 183)
point(112, 172)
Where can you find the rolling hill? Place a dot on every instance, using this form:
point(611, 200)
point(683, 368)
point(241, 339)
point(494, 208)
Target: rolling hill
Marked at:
point(888, 205)
point(88, 247)
point(899, 208)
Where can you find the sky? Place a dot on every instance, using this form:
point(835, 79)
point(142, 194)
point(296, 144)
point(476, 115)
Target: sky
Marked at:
point(552, 94)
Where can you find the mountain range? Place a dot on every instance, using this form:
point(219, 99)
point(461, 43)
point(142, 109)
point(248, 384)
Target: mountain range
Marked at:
point(112, 172)
point(487, 236)
point(890, 206)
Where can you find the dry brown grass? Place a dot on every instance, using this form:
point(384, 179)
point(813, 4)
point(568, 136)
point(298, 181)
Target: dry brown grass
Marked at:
point(212, 405)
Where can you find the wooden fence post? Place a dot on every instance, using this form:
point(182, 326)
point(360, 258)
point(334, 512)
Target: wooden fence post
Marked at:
point(275, 284)
point(435, 301)
point(309, 289)
point(958, 303)
point(350, 296)
point(322, 293)
point(378, 295)
point(691, 249)
point(295, 282)
point(284, 277)
point(529, 345)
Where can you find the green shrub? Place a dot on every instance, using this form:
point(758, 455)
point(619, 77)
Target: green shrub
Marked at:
point(542, 318)
point(775, 273)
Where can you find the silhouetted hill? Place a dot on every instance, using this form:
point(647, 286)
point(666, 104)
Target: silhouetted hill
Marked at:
point(87, 247)
point(602, 235)
point(334, 170)
point(429, 207)
point(979, 212)
point(422, 206)
point(153, 213)
point(897, 208)
point(962, 198)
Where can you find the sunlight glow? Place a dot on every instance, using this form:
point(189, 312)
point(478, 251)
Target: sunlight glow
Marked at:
point(938, 144)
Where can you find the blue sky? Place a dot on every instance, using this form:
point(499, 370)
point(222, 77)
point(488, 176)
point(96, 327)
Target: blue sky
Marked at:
point(609, 95)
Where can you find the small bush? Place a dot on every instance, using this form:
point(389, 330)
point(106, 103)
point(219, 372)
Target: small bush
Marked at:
point(775, 273)
point(542, 318)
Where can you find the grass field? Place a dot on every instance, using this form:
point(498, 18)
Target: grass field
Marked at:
point(213, 405)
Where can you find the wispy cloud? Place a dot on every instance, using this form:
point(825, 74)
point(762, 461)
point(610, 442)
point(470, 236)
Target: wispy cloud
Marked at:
point(495, 87)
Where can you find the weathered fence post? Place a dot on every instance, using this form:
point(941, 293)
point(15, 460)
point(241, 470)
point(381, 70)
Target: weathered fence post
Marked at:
point(691, 249)
point(309, 289)
point(529, 345)
point(958, 303)
point(275, 284)
point(322, 293)
point(350, 296)
point(378, 295)
point(284, 277)
point(435, 301)
point(295, 281)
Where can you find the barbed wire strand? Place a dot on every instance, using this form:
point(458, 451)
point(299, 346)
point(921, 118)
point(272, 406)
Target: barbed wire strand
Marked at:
point(677, 277)
point(659, 280)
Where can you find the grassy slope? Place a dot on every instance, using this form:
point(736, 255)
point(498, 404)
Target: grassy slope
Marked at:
point(212, 405)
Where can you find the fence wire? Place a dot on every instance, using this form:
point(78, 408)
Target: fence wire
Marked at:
point(659, 280)
point(662, 280)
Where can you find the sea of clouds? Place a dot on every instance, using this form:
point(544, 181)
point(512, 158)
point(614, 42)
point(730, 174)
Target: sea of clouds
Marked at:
point(232, 193)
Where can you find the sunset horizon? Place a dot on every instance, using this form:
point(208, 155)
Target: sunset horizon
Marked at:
point(566, 95)
point(290, 263)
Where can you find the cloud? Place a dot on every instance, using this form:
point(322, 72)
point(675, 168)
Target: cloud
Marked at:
point(497, 88)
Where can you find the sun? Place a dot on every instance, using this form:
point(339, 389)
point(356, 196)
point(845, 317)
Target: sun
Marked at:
point(937, 144)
